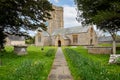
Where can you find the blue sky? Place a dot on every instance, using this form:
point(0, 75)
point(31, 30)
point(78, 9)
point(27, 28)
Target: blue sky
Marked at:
point(62, 2)
point(70, 12)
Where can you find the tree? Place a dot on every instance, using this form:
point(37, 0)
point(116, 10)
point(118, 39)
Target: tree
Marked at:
point(22, 14)
point(2, 36)
point(103, 13)
point(30, 40)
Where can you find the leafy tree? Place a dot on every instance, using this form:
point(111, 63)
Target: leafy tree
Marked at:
point(22, 14)
point(30, 40)
point(103, 13)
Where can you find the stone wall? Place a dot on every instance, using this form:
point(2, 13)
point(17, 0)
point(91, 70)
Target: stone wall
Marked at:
point(57, 19)
point(84, 38)
point(37, 43)
point(100, 50)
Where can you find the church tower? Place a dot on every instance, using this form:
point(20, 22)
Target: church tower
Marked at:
point(57, 19)
point(43, 38)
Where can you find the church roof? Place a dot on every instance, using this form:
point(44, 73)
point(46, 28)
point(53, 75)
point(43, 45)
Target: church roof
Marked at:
point(71, 30)
point(65, 37)
point(45, 33)
point(16, 38)
point(107, 38)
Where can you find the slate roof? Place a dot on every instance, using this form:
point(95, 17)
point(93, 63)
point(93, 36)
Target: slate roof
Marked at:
point(44, 33)
point(107, 38)
point(65, 37)
point(64, 31)
point(16, 38)
point(71, 30)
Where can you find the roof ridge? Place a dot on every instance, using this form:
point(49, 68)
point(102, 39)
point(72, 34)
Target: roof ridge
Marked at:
point(71, 30)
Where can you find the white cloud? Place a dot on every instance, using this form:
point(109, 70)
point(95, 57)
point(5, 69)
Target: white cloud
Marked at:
point(56, 1)
point(70, 16)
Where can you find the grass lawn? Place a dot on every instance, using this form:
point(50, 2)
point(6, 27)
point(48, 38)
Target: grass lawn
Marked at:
point(85, 66)
point(108, 44)
point(35, 65)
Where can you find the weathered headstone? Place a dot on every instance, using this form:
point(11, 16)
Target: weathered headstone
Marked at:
point(113, 58)
point(20, 50)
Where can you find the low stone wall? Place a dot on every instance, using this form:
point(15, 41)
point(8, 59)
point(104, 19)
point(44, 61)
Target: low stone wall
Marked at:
point(100, 50)
point(20, 50)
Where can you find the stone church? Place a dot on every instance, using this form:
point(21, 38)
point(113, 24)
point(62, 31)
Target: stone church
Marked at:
point(57, 35)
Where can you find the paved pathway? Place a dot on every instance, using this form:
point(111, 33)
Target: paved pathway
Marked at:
point(60, 69)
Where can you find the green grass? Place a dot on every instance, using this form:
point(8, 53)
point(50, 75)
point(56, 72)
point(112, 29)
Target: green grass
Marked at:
point(108, 44)
point(105, 45)
point(118, 60)
point(35, 65)
point(85, 66)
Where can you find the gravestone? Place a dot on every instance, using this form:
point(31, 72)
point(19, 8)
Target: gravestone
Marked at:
point(20, 50)
point(113, 58)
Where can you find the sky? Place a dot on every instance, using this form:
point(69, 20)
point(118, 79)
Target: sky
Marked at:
point(70, 12)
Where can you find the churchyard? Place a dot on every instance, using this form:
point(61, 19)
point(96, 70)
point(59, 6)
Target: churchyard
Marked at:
point(53, 25)
point(36, 65)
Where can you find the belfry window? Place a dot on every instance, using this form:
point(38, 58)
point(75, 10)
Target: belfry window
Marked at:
point(75, 38)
